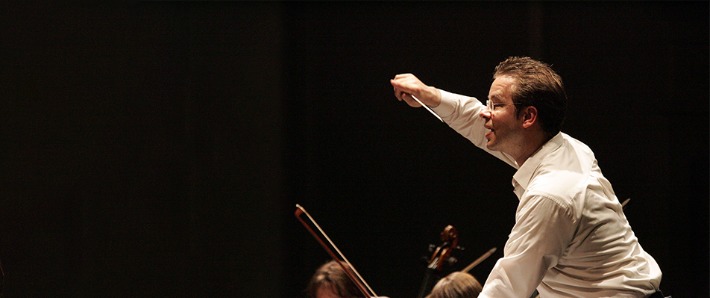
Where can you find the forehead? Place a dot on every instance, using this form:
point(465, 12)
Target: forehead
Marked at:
point(326, 291)
point(502, 88)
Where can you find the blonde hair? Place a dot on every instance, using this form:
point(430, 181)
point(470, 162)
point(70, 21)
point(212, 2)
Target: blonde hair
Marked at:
point(331, 275)
point(456, 285)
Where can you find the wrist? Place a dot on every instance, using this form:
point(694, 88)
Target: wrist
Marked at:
point(436, 97)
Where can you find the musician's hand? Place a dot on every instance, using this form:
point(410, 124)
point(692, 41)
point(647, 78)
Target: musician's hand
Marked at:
point(406, 85)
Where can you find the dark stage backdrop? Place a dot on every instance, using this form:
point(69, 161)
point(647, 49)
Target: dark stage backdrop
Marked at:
point(158, 149)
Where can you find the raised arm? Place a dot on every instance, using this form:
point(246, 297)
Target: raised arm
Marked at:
point(406, 85)
point(462, 113)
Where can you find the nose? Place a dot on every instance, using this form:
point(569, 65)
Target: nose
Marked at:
point(485, 113)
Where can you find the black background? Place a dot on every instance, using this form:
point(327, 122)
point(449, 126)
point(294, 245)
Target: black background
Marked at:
point(159, 148)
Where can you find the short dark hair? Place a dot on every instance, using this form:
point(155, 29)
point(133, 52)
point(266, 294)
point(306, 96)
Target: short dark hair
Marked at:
point(539, 86)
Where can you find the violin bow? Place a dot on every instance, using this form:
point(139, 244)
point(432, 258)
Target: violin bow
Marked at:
point(479, 260)
point(623, 204)
point(358, 280)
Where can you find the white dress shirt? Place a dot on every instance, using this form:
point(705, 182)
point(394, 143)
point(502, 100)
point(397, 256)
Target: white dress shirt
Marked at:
point(571, 237)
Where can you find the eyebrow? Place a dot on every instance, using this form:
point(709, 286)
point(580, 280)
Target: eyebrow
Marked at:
point(494, 96)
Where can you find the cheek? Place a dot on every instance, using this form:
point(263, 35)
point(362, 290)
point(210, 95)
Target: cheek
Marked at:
point(505, 119)
point(498, 122)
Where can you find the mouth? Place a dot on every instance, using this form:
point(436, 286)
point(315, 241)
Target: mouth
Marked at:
point(490, 133)
point(489, 126)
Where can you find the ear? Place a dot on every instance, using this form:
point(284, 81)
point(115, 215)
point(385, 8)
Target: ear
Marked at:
point(529, 116)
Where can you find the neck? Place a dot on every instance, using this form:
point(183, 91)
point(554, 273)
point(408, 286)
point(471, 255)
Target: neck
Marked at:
point(529, 146)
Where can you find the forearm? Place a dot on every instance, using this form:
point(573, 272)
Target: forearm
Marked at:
point(462, 113)
point(542, 230)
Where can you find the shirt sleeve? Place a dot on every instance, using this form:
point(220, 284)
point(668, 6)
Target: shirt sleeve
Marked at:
point(543, 227)
point(462, 113)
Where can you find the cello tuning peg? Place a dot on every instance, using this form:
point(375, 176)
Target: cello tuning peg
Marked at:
point(451, 260)
point(460, 248)
point(431, 247)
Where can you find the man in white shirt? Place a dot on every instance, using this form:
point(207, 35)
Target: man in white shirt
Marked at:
point(570, 238)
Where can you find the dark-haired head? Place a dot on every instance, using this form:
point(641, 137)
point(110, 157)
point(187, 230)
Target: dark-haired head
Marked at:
point(539, 86)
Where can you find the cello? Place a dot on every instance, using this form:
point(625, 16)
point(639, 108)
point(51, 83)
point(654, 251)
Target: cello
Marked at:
point(442, 255)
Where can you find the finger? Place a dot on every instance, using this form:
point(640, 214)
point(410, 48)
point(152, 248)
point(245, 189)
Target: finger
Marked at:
point(400, 90)
point(402, 75)
point(398, 94)
point(410, 100)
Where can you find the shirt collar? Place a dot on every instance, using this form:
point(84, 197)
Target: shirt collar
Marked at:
point(525, 173)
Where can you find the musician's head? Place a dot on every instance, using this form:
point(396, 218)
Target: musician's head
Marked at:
point(456, 285)
point(536, 85)
point(331, 281)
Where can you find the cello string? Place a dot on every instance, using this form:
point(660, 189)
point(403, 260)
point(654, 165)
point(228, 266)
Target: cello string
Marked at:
point(335, 247)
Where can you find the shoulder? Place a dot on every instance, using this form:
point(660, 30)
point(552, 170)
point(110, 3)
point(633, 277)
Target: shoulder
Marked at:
point(542, 209)
point(577, 145)
point(558, 184)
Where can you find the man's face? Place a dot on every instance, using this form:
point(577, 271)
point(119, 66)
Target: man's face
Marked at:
point(505, 133)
